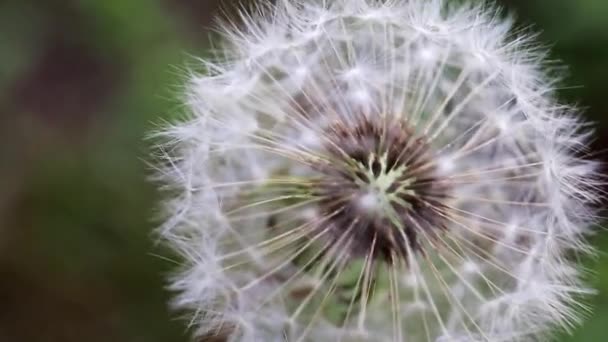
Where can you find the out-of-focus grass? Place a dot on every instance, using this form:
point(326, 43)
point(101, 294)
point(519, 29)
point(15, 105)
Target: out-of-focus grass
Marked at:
point(594, 328)
point(77, 257)
point(81, 82)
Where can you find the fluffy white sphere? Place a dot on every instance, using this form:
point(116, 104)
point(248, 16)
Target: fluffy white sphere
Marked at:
point(358, 170)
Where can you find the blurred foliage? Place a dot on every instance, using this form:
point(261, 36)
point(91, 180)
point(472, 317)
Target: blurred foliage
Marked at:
point(81, 82)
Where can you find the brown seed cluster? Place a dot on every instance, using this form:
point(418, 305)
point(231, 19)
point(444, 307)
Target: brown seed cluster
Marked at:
point(380, 192)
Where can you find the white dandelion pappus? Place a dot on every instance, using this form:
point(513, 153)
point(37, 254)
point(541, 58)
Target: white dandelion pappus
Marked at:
point(378, 171)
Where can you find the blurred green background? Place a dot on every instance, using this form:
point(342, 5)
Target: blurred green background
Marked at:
point(81, 82)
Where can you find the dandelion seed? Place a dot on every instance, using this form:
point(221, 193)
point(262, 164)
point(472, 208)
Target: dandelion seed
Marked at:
point(358, 170)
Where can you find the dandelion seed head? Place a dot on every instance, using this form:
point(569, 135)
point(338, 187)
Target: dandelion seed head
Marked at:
point(359, 170)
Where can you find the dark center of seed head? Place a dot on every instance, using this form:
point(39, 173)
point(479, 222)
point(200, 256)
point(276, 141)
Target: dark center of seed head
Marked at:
point(380, 192)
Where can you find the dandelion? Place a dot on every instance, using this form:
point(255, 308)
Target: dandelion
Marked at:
point(358, 170)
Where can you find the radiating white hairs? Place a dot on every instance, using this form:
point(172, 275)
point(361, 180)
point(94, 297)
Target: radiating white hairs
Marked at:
point(358, 170)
